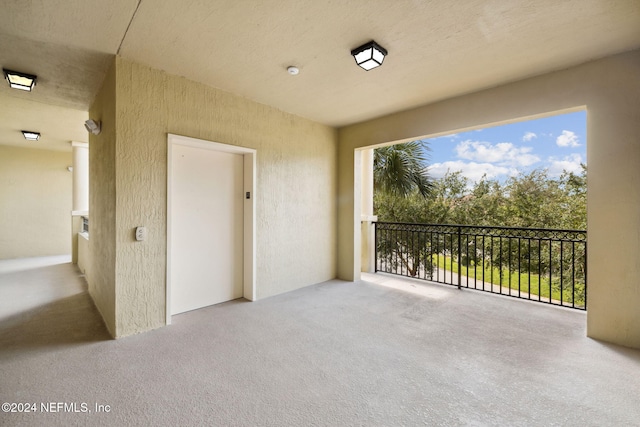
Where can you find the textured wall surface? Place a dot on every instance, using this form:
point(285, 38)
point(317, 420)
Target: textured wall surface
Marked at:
point(610, 89)
point(141, 183)
point(102, 204)
point(35, 202)
point(84, 257)
point(295, 197)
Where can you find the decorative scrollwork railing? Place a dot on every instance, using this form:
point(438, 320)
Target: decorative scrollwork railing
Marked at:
point(546, 265)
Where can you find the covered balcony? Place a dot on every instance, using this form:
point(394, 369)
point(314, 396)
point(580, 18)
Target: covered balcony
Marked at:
point(271, 91)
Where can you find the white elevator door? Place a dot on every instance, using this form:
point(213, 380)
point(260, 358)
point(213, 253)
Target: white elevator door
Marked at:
point(206, 227)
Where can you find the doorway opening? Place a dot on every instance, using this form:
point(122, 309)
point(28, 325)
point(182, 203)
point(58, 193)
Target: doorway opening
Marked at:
point(210, 223)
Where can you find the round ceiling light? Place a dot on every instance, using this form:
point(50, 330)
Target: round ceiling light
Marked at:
point(293, 70)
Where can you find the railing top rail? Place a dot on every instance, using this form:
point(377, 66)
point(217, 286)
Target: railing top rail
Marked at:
point(490, 227)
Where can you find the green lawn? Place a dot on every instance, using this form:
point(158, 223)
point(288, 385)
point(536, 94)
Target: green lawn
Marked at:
point(532, 284)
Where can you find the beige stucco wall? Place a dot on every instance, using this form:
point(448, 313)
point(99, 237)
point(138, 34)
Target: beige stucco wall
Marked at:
point(102, 203)
point(296, 224)
point(35, 202)
point(610, 89)
point(84, 255)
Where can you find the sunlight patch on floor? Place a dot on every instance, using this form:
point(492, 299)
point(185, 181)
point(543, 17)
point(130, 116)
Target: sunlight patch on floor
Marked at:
point(406, 284)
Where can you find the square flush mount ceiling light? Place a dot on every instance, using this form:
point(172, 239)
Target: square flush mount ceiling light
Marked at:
point(31, 136)
point(19, 80)
point(369, 55)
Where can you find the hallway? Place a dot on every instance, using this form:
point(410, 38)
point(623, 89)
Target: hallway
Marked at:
point(44, 302)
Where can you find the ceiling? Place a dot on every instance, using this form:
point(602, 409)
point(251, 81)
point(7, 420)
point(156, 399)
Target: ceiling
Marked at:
point(437, 49)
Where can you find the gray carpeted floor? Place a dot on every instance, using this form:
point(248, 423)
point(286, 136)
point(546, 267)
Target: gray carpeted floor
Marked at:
point(334, 354)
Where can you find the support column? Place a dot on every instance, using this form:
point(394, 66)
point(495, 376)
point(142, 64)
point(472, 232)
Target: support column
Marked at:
point(368, 254)
point(80, 198)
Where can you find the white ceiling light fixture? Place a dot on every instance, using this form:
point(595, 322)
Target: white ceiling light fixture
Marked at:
point(369, 55)
point(294, 71)
point(30, 136)
point(18, 80)
point(92, 126)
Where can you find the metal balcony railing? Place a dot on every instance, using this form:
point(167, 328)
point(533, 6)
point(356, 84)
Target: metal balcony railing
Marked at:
point(545, 265)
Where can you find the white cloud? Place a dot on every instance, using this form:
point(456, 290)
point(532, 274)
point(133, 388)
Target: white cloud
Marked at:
point(472, 170)
point(567, 139)
point(504, 154)
point(570, 163)
point(529, 136)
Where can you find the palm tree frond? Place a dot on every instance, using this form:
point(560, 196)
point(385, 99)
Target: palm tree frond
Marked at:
point(401, 169)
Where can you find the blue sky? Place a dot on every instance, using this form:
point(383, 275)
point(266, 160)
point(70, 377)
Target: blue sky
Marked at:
point(554, 143)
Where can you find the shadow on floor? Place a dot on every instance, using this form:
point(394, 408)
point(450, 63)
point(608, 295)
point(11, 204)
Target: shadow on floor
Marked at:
point(630, 354)
point(66, 321)
point(45, 303)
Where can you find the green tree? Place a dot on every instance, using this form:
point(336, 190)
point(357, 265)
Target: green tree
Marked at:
point(533, 200)
point(574, 203)
point(439, 207)
point(401, 169)
point(402, 189)
point(485, 206)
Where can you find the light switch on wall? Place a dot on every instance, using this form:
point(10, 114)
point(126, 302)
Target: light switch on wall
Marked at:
point(141, 233)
